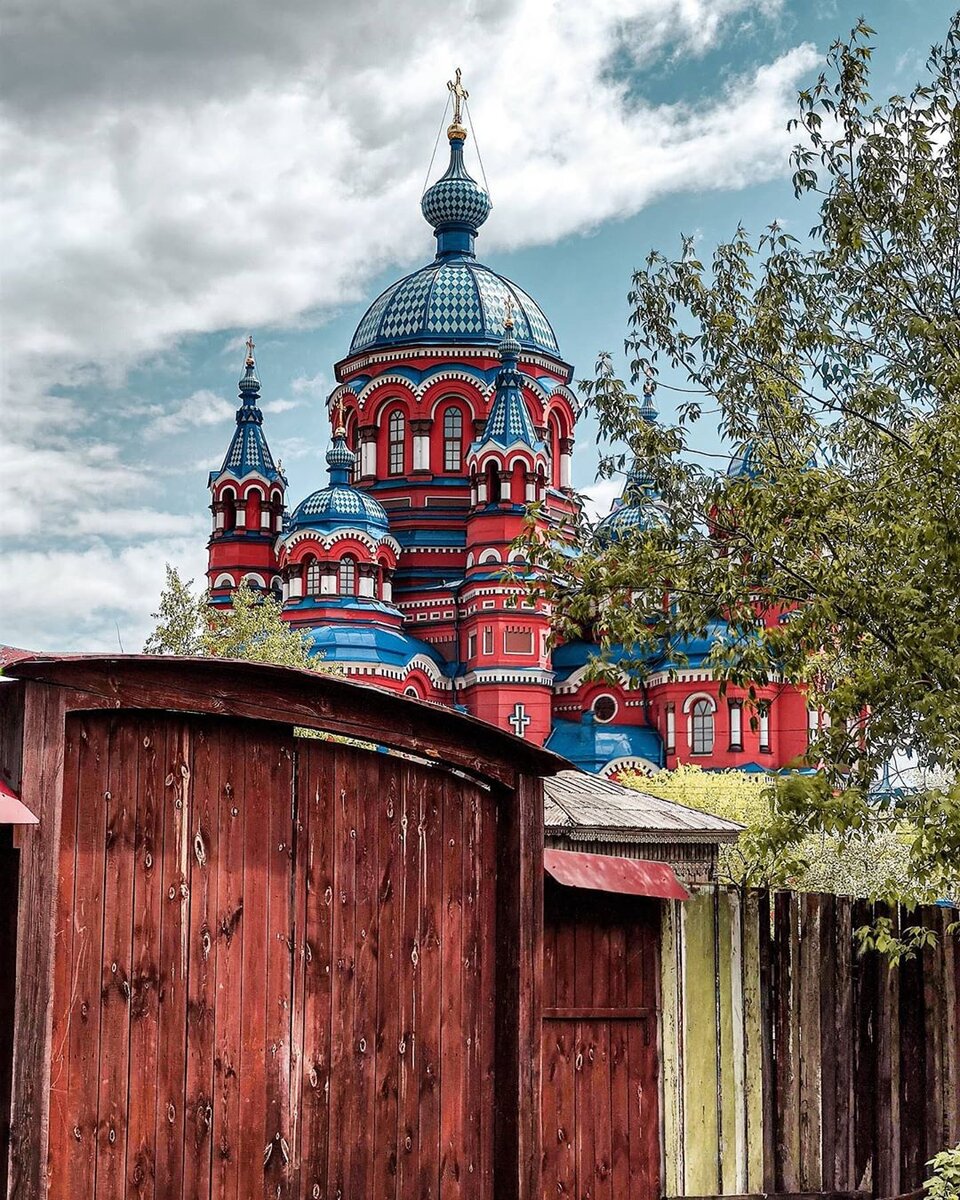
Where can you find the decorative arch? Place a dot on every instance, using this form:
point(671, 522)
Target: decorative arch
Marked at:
point(347, 576)
point(490, 555)
point(255, 579)
point(228, 500)
point(224, 579)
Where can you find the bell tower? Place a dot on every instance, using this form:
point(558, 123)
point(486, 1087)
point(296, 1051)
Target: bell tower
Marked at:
point(248, 495)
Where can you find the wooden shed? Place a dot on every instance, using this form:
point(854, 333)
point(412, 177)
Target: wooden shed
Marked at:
point(255, 963)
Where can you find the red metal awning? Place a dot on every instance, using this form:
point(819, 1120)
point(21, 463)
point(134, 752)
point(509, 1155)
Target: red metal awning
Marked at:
point(12, 810)
point(607, 873)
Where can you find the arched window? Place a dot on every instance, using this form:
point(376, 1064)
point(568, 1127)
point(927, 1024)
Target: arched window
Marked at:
point(229, 500)
point(312, 577)
point(555, 439)
point(452, 439)
point(348, 576)
point(254, 498)
point(396, 444)
point(701, 728)
point(493, 484)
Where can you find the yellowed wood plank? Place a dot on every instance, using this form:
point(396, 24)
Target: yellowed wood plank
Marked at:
point(700, 1083)
point(671, 1071)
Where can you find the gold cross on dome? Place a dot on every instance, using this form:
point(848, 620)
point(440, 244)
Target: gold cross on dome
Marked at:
point(250, 344)
point(459, 93)
point(340, 428)
point(508, 312)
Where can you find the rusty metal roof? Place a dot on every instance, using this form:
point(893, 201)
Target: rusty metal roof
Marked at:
point(607, 873)
point(584, 805)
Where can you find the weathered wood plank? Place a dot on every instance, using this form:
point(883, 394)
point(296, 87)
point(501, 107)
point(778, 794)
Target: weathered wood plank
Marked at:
point(845, 1032)
point(810, 1052)
point(9, 886)
point(934, 1030)
point(278, 1167)
point(912, 1071)
point(730, 1041)
point(61, 1122)
point(74, 1155)
point(752, 1040)
point(672, 1026)
point(886, 1175)
point(787, 1057)
point(701, 1086)
point(451, 1061)
point(428, 1023)
point(768, 1008)
point(231, 918)
point(116, 966)
point(865, 1007)
point(472, 1031)
point(951, 1009)
point(409, 990)
point(39, 845)
point(173, 961)
point(318, 816)
point(203, 826)
point(830, 1001)
point(519, 1008)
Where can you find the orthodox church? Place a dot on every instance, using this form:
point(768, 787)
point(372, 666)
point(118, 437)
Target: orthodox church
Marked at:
point(453, 415)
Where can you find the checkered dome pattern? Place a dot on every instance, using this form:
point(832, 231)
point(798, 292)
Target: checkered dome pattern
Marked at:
point(453, 299)
point(340, 507)
point(455, 201)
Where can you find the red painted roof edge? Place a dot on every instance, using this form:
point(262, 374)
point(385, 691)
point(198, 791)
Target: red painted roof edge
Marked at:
point(608, 873)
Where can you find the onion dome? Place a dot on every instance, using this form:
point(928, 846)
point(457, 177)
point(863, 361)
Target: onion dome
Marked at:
point(454, 298)
point(744, 465)
point(339, 505)
point(248, 452)
point(509, 421)
point(638, 508)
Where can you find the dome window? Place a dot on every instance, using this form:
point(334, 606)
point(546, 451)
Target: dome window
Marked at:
point(313, 578)
point(452, 439)
point(348, 576)
point(396, 443)
point(604, 709)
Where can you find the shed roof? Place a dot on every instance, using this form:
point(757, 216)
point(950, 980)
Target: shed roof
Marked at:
point(289, 695)
point(575, 801)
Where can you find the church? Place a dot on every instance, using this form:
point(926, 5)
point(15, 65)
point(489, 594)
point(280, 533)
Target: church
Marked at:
point(453, 415)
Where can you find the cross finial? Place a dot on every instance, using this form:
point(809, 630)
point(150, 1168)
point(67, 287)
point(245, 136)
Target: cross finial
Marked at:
point(459, 93)
point(250, 344)
point(508, 312)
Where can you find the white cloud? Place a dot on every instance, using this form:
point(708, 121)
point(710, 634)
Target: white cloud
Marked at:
point(184, 169)
point(599, 497)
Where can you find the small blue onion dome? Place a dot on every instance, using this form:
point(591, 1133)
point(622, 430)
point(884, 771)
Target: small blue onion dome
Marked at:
point(456, 199)
point(339, 505)
point(744, 465)
point(625, 520)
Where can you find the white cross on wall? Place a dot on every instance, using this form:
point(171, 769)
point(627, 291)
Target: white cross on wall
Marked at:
point(519, 720)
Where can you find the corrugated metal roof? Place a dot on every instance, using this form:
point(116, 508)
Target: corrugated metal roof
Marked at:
point(576, 800)
point(608, 873)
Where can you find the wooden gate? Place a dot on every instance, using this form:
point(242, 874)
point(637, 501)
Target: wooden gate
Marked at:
point(600, 1108)
point(279, 966)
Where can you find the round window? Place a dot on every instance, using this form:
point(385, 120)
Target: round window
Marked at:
point(604, 708)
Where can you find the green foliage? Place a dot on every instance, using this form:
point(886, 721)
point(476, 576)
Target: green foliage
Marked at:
point(869, 866)
point(837, 363)
point(944, 1183)
point(251, 628)
point(179, 618)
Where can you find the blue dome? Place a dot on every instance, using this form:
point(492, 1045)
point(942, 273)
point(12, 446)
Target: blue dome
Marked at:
point(453, 299)
point(340, 506)
point(626, 520)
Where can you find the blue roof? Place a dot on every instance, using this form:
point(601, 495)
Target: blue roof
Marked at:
point(591, 744)
point(340, 505)
point(248, 451)
point(353, 642)
point(509, 421)
point(453, 299)
point(456, 199)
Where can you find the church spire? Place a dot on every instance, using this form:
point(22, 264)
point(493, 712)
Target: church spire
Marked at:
point(248, 451)
point(456, 205)
point(509, 420)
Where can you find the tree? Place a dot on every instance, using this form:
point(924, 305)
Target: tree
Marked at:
point(877, 863)
point(834, 364)
point(252, 628)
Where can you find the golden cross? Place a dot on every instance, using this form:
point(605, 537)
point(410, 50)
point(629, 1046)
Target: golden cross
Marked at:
point(250, 345)
point(508, 312)
point(340, 429)
point(459, 92)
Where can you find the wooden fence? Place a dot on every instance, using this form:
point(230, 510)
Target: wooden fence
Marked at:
point(791, 1062)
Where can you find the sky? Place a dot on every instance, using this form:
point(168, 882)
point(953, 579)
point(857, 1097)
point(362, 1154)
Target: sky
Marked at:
point(180, 174)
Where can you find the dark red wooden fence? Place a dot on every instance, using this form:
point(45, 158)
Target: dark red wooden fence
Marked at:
point(601, 1110)
point(279, 966)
